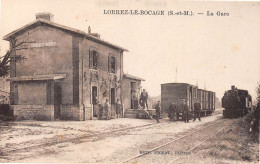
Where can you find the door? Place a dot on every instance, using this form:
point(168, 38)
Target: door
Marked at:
point(57, 100)
point(94, 101)
point(133, 89)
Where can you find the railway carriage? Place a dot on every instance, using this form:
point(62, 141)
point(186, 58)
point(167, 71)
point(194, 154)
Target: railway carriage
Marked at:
point(211, 103)
point(179, 91)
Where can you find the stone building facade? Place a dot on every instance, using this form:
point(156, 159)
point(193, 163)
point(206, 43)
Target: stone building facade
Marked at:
point(130, 83)
point(64, 70)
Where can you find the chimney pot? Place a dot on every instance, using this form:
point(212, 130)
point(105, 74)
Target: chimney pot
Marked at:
point(232, 87)
point(95, 35)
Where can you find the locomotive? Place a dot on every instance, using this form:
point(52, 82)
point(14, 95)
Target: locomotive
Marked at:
point(236, 103)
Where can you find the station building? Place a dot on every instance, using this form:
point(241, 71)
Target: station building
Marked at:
point(64, 70)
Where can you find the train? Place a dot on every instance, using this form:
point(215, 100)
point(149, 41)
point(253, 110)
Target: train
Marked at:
point(191, 93)
point(236, 103)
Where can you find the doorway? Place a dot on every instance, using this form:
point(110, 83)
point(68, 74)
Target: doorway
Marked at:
point(133, 95)
point(94, 101)
point(57, 100)
point(113, 100)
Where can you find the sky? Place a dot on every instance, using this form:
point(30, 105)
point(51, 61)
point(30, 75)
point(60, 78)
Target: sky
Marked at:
point(213, 52)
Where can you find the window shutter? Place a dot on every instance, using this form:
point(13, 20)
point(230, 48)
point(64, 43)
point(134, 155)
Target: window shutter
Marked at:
point(95, 60)
point(109, 64)
point(115, 64)
point(90, 59)
point(98, 61)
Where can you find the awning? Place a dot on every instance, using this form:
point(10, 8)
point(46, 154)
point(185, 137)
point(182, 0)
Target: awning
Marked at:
point(38, 77)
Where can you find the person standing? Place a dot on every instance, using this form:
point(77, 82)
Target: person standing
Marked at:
point(185, 111)
point(100, 111)
point(177, 113)
point(197, 108)
point(158, 111)
point(134, 100)
point(118, 109)
point(172, 110)
point(95, 107)
point(144, 99)
point(107, 109)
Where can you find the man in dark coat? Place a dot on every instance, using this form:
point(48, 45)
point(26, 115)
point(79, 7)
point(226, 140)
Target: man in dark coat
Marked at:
point(144, 98)
point(158, 111)
point(185, 111)
point(177, 113)
point(197, 108)
point(172, 110)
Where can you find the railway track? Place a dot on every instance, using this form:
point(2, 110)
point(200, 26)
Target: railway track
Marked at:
point(197, 145)
point(136, 159)
point(72, 139)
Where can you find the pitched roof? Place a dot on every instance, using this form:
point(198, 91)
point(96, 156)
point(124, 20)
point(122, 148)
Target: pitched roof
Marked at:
point(69, 29)
point(126, 75)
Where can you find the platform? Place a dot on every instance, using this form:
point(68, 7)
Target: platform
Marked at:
point(138, 113)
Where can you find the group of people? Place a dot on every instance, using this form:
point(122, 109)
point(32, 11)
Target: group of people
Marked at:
point(175, 110)
point(143, 101)
point(105, 110)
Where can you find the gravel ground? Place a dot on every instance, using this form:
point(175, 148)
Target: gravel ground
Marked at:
point(112, 147)
point(26, 133)
point(181, 147)
point(232, 145)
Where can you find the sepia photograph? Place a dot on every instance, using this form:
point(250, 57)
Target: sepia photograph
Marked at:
point(120, 81)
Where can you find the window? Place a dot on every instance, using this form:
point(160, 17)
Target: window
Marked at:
point(93, 59)
point(111, 64)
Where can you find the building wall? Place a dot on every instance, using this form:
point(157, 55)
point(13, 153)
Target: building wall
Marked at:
point(33, 112)
point(71, 112)
point(126, 91)
point(54, 51)
point(57, 59)
point(32, 93)
point(100, 78)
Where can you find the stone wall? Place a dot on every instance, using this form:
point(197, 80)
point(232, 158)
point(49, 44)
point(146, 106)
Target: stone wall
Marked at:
point(88, 113)
point(99, 77)
point(33, 112)
point(31, 93)
point(71, 112)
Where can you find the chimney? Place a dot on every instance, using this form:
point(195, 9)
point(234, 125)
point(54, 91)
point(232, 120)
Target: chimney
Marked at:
point(232, 87)
point(95, 35)
point(46, 15)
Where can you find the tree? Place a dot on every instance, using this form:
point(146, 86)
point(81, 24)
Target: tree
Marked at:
point(12, 55)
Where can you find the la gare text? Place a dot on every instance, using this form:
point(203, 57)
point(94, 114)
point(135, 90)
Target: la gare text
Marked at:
point(163, 12)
